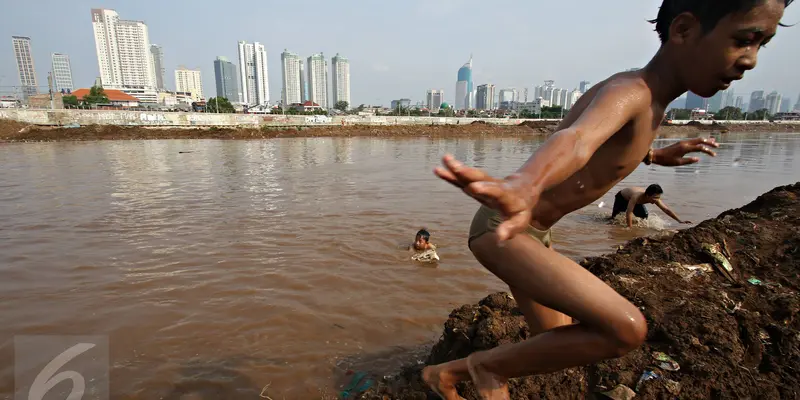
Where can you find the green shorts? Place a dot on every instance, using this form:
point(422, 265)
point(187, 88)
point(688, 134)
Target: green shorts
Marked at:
point(488, 219)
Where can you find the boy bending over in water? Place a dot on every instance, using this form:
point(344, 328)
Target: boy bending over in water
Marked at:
point(632, 200)
point(706, 45)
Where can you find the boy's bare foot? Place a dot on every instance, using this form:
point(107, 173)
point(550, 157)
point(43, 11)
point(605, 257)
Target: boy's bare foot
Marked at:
point(488, 385)
point(441, 382)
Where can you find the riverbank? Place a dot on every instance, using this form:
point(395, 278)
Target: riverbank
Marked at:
point(735, 336)
point(12, 131)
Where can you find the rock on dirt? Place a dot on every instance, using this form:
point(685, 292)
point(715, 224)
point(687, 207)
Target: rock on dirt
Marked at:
point(730, 340)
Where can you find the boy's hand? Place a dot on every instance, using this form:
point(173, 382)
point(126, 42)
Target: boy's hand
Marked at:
point(672, 156)
point(512, 196)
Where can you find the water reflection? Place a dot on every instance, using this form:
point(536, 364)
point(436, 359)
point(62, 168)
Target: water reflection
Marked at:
point(260, 247)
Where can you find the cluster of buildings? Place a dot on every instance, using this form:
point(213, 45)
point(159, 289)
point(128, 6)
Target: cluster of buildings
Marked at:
point(487, 97)
point(773, 102)
point(132, 70)
point(129, 64)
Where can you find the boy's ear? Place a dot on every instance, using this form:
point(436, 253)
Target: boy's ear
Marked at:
point(684, 27)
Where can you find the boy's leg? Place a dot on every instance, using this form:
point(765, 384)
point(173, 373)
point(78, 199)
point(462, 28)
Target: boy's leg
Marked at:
point(620, 205)
point(538, 317)
point(610, 326)
point(640, 211)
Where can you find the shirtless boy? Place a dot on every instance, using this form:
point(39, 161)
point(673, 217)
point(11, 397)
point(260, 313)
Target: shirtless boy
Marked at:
point(631, 201)
point(706, 44)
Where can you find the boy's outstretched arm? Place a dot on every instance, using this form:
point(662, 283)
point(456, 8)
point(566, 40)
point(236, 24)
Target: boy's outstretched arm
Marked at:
point(669, 212)
point(561, 156)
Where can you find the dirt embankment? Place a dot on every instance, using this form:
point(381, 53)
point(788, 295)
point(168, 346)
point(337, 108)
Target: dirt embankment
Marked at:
point(17, 132)
point(730, 338)
point(13, 131)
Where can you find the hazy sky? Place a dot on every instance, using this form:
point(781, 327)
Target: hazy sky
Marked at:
point(396, 49)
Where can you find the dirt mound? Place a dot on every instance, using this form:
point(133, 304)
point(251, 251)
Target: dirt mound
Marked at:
point(736, 337)
point(13, 132)
point(541, 126)
point(10, 127)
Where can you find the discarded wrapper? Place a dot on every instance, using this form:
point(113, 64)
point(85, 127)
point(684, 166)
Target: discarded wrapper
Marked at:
point(667, 363)
point(620, 392)
point(754, 281)
point(721, 262)
point(426, 256)
point(646, 376)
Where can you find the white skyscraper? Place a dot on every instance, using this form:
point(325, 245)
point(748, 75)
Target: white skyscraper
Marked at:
point(254, 80)
point(290, 67)
point(189, 81)
point(318, 80)
point(484, 98)
point(123, 55)
point(303, 82)
point(62, 72)
point(341, 79)
point(157, 55)
point(773, 103)
point(572, 98)
point(435, 99)
point(25, 67)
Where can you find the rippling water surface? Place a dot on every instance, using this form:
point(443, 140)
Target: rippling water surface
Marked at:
point(245, 263)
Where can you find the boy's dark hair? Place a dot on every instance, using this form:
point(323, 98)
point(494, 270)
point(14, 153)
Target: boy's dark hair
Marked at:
point(424, 234)
point(653, 190)
point(709, 12)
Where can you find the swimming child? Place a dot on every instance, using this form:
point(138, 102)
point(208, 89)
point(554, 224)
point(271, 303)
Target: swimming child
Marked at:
point(422, 241)
point(575, 319)
point(424, 250)
point(632, 200)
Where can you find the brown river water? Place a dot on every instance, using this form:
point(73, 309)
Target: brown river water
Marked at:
point(240, 264)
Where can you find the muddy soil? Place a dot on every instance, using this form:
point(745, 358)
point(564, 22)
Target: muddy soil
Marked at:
point(732, 339)
point(15, 132)
point(12, 131)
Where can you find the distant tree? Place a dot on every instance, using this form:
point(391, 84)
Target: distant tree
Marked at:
point(360, 108)
point(762, 114)
point(341, 105)
point(729, 113)
point(71, 101)
point(96, 95)
point(679, 114)
point(551, 112)
point(224, 105)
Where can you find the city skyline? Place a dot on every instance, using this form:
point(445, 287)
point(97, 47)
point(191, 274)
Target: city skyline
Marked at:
point(387, 72)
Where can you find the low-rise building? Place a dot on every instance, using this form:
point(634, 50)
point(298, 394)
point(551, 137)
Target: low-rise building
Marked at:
point(308, 106)
point(115, 97)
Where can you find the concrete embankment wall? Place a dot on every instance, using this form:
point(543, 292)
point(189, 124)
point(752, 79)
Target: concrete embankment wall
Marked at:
point(178, 119)
point(175, 119)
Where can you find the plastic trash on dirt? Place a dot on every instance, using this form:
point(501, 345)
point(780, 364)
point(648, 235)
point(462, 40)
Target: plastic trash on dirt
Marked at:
point(667, 363)
point(754, 281)
point(620, 392)
point(720, 261)
point(691, 271)
point(646, 376)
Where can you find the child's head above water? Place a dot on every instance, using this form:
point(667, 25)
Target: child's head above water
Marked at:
point(422, 240)
point(711, 43)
